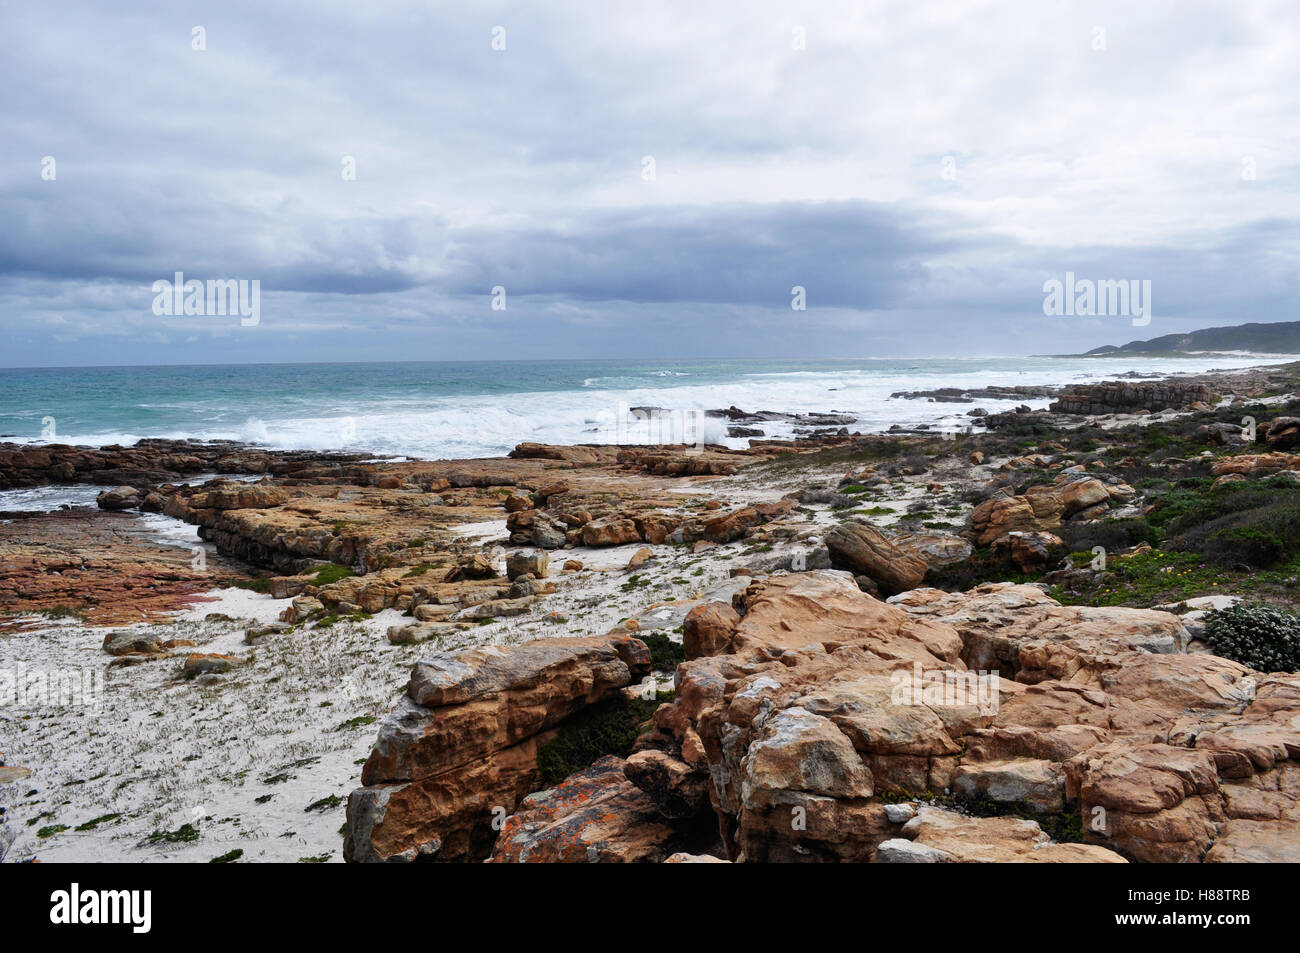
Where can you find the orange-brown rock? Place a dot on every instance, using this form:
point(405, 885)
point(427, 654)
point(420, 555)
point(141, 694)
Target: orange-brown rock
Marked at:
point(936, 550)
point(727, 527)
point(1256, 465)
point(1040, 509)
point(800, 726)
point(97, 565)
point(463, 741)
point(1025, 634)
point(1028, 551)
point(593, 816)
point(940, 836)
point(640, 558)
point(708, 629)
point(614, 531)
point(1281, 433)
point(657, 527)
point(866, 551)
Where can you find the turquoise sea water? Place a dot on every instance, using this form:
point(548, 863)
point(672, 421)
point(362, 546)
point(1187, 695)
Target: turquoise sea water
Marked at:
point(462, 409)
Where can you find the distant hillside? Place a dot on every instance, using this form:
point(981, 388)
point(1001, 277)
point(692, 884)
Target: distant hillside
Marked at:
point(1280, 338)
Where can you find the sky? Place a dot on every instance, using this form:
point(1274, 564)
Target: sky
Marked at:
point(639, 180)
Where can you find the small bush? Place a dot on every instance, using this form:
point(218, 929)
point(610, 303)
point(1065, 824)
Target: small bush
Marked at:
point(1262, 636)
point(182, 835)
point(1249, 524)
point(1254, 537)
point(609, 727)
point(665, 654)
point(1113, 534)
point(332, 572)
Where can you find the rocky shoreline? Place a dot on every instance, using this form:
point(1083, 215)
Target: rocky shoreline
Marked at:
point(986, 644)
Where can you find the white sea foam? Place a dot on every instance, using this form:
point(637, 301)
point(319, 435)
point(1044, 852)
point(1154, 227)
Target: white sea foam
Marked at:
point(432, 427)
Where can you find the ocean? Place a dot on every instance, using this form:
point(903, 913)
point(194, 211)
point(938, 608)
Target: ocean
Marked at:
point(437, 410)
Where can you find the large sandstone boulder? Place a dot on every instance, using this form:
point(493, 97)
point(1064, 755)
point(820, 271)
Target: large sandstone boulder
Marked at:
point(542, 451)
point(1255, 465)
point(245, 496)
point(1281, 433)
point(119, 498)
point(656, 528)
point(535, 528)
point(675, 788)
point(936, 550)
point(1041, 509)
point(708, 628)
point(475, 566)
point(865, 551)
point(1025, 634)
point(1028, 552)
point(518, 564)
point(826, 608)
point(461, 746)
point(611, 531)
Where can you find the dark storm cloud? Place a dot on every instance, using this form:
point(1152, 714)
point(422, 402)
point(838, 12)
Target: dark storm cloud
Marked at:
point(847, 255)
point(921, 169)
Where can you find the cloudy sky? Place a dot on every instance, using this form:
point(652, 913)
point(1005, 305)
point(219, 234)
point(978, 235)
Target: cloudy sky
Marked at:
point(919, 167)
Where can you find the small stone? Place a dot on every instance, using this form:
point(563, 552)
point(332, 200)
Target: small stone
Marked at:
point(535, 563)
point(640, 558)
point(899, 813)
point(213, 664)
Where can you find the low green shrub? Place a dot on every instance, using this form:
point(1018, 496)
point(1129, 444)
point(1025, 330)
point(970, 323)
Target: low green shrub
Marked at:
point(609, 727)
point(1113, 534)
point(1262, 636)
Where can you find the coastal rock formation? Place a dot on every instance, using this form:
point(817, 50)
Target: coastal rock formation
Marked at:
point(152, 462)
point(810, 720)
point(1256, 465)
point(594, 816)
point(89, 564)
point(936, 836)
point(1280, 433)
point(806, 702)
point(673, 461)
point(460, 750)
point(937, 550)
point(866, 551)
point(959, 395)
point(801, 718)
point(1127, 397)
point(1028, 552)
point(1043, 508)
